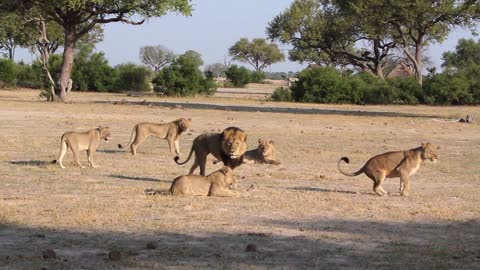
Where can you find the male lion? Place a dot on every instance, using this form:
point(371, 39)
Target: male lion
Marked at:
point(170, 131)
point(265, 153)
point(228, 146)
point(215, 184)
point(401, 164)
point(81, 141)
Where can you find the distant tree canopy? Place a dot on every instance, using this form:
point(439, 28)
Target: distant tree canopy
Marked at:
point(156, 57)
point(330, 31)
point(79, 17)
point(258, 53)
point(465, 57)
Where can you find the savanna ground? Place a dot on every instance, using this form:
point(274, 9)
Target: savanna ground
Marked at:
point(301, 214)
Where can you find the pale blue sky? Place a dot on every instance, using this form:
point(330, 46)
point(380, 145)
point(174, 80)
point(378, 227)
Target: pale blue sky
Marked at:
point(214, 26)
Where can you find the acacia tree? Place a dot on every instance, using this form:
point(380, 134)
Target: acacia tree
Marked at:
point(330, 31)
point(156, 57)
point(417, 23)
point(79, 17)
point(257, 53)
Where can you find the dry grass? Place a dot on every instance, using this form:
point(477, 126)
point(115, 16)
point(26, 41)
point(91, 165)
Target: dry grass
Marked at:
point(302, 214)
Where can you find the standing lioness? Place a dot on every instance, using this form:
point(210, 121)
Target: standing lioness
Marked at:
point(215, 184)
point(401, 164)
point(169, 131)
point(81, 141)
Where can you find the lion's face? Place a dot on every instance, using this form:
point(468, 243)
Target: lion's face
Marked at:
point(105, 133)
point(184, 124)
point(234, 142)
point(266, 148)
point(429, 151)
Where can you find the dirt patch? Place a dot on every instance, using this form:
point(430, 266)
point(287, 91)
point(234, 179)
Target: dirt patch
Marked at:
point(299, 215)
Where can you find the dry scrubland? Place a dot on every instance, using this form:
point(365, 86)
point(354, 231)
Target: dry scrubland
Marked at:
point(301, 214)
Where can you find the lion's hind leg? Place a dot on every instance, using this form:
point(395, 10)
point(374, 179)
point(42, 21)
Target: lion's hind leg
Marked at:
point(76, 155)
point(139, 139)
point(377, 183)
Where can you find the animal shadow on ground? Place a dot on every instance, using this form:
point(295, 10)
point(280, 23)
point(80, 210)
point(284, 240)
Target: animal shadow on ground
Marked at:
point(324, 190)
point(109, 151)
point(137, 178)
point(36, 163)
point(345, 244)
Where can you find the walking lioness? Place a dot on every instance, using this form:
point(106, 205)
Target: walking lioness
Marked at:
point(82, 141)
point(169, 131)
point(401, 164)
point(215, 184)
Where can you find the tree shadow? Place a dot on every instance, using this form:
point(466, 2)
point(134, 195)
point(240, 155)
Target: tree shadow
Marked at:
point(136, 178)
point(242, 108)
point(338, 244)
point(36, 163)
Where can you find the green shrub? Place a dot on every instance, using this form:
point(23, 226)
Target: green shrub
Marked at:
point(131, 77)
point(322, 85)
point(184, 78)
point(238, 76)
point(7, 73)
point(91, 71)
point(282, 94)
point(446, 89)
point(257, 76)
point(30, 76)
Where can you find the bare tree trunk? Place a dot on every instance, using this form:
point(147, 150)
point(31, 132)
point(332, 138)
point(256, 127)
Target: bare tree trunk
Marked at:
point(68, 57)
point(42, 46)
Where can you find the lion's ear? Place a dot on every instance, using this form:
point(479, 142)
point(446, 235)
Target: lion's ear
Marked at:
point(438, 147)
point(423, 145)
point(245, 138)
point(259, 141)
point(189, 119)
point(271, 141)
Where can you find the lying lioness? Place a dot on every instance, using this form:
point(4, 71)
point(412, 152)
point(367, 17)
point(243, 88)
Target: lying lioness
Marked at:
point(81, 141)
point(265, 153)
point(214, 184)
point(401, 164)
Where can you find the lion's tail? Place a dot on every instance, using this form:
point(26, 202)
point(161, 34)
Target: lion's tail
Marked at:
point(134, 131)
point(347, 173)
point(188, 158)
point(63, 149)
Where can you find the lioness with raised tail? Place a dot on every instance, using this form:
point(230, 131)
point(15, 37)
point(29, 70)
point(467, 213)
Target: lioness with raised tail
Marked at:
point(401, 164)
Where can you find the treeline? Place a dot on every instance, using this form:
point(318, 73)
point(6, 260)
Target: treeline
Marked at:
point(458, 84)
point(92, 72)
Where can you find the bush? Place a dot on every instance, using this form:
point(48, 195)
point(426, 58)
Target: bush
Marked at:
point(184, 78)
point(7, 73)
point(30, 76)
point(92, 72)
point(447, 89)
point(282, 94)
point(322, 85)
point(257, 76)
point(238, 76)
point(132, 77)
